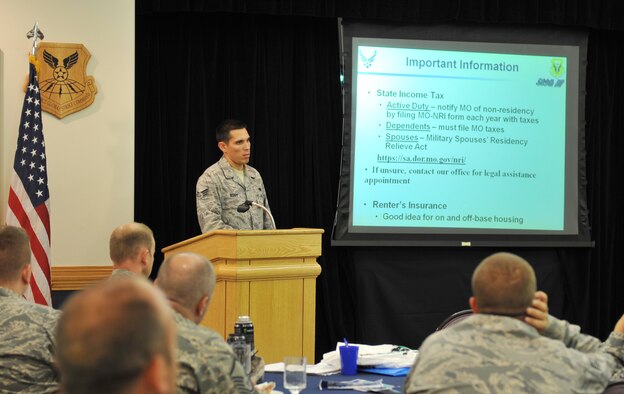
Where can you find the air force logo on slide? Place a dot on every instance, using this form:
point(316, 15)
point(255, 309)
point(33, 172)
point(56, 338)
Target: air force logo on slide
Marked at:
point(557, 69)
point(367, 59)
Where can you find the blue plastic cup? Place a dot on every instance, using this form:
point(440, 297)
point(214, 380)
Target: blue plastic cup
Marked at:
point(348, 359)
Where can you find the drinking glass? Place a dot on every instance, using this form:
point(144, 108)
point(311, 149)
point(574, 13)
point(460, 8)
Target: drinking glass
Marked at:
point(294, 374)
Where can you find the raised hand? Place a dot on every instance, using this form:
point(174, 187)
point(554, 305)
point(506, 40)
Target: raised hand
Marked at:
point(537, 313)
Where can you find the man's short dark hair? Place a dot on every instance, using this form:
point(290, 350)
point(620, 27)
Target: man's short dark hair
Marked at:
point(14, 252)
point(108, 335)
point(224, 128)
point(503, 283)
point(127, 240)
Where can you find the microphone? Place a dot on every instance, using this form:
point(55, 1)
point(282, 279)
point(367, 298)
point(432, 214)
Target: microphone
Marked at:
point(244, 207)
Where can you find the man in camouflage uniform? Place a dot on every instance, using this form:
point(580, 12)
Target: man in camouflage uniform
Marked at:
point(26, 329)
point(497, 351)
point(207, 363)
point(228, 183)
point(132, 249)
point(117, 336)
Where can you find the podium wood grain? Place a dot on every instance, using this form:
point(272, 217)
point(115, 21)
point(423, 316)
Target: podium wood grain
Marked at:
point(269, 275)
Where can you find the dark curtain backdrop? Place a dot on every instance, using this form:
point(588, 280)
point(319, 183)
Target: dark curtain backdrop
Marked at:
point(275, 65)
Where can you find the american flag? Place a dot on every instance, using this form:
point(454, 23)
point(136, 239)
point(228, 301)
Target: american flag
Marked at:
point(29, 198)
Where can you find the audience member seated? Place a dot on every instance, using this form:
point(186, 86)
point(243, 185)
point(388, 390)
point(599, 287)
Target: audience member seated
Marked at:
point(207, 363)
point(496, 350)
point(26, 329)
point(132, 248)
point(117, 337)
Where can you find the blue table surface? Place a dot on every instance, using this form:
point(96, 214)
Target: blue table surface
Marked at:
point(313, 381)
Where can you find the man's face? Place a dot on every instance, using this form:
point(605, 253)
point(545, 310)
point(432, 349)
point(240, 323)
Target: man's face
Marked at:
point(237, 149)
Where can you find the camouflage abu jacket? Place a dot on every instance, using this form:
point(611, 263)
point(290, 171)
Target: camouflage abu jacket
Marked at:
point(206, 362)
point(498, 354)
point(219, 192)
point(26, 345)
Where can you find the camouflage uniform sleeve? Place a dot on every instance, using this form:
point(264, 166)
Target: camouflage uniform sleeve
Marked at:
point(240, 378)
point(615, 345)
point(228, 374)
point(600, 365)
point(570, 335)
point(27, 347)
point(212, 381)
point(209, 205)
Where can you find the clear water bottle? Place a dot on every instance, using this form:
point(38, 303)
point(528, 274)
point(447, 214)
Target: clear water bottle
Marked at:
point(242, 350)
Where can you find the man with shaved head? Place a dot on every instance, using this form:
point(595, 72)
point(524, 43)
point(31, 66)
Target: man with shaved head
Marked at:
point(26, 329)
point(510, 344)
point(132, 249)
point(207, 363)
point(117, 337)
point(503, 284)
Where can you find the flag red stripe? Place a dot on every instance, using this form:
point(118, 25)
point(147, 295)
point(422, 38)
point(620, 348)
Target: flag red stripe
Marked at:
point(42, 211)
point(40, 254)
point(37, 296)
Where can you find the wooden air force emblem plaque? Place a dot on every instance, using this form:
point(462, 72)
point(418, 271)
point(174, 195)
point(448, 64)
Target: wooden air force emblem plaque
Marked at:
point(63, 82)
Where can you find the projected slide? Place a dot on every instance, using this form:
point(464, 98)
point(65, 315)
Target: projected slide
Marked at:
point(457, 138)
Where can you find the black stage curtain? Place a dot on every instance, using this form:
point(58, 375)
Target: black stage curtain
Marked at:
point(280, 74)
point(585, 13)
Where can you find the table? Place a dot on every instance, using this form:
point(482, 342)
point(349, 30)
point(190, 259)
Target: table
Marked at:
point(313, 381)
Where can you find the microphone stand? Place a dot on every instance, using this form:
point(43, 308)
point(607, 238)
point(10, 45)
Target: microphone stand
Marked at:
point(244, 207)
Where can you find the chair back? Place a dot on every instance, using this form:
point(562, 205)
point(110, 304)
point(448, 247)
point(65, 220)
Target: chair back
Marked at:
point(454, 319)
point(616, 387)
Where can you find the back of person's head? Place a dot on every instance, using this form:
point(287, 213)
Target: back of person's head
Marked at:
point(129, 241)
point(503, 283)
point(187, 279)
point(224, 128)
point(14, 253)
point(116, 337)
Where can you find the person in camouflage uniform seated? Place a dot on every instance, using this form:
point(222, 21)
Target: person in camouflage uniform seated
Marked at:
point(206, 362)
point(132, 247)
point(26, 329)
point(228, 183)
point(500, 348)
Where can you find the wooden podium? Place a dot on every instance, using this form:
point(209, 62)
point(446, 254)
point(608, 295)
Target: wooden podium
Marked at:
point(269, 275)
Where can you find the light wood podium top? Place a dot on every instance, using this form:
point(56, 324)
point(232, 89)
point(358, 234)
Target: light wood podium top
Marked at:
point(252, 244)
